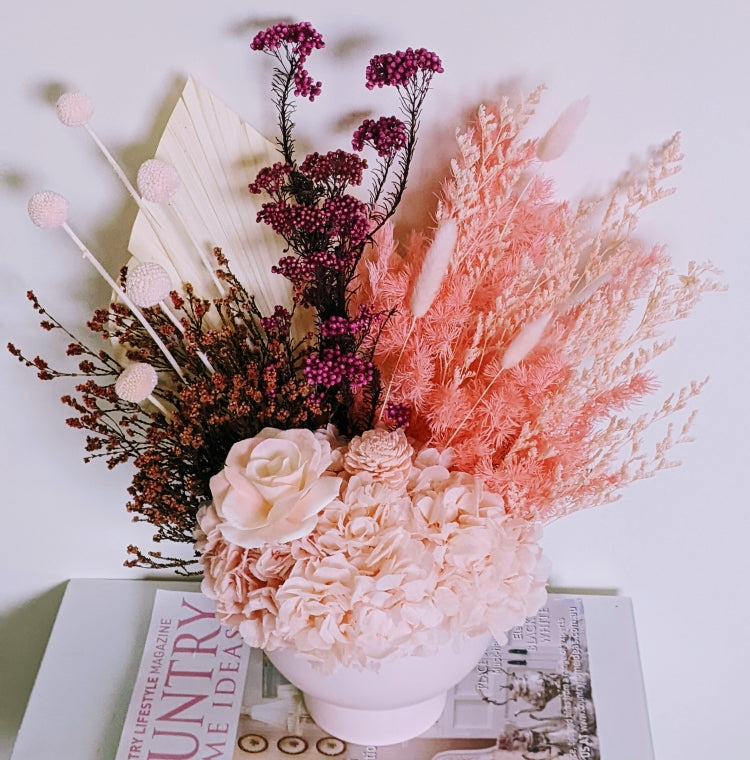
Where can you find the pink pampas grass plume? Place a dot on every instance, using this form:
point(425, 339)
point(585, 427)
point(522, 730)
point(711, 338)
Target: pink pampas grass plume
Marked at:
point(559, 136)
point(434, 267)
point(526, 341)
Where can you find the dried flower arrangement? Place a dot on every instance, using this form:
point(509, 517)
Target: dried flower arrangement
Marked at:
point(365, 468)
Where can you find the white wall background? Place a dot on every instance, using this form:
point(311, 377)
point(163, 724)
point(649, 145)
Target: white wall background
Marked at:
point(676, 544)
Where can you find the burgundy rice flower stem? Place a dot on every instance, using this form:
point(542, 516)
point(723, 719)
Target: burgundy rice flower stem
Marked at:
point(283, 87)
point(412, 99)
point(379, 180)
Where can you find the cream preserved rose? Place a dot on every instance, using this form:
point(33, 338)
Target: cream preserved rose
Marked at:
point(272, 488)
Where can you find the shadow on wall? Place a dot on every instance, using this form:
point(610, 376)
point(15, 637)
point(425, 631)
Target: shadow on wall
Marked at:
point(24, 633)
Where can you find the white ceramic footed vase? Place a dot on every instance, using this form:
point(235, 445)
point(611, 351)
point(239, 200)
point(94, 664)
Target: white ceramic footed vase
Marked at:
point(399, 701)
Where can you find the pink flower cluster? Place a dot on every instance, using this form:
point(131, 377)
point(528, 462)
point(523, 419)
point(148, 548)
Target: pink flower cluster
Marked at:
point(387, 135)
point(302, 36)
point(271, 179)
point(359, 325)
point(397, 414)
point(300, 40)
point(411, 555)
point(278, 324)
point(285, 219)
point(347, 218)
point(336, 165)
point(331, 365)
point(303, 271)
point(399, 69)
point(342, 216)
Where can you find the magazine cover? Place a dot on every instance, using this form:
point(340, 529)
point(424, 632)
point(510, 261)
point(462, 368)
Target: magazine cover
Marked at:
point(188, 691)
point(528, 699)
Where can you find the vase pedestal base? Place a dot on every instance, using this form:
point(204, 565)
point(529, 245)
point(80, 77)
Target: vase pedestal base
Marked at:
point(390, 704)
point(370, 727)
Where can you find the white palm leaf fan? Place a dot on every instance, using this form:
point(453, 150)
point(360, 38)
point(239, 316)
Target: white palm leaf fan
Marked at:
point(216, 155)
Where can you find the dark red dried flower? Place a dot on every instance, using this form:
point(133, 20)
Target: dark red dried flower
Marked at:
point(302, 36)
point(399, 69)
point(387, 135)
point(338, 166)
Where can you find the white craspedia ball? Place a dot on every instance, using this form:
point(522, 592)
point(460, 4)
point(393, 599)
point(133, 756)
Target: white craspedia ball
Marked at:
point(74, 109)
point(148, 284)
point(48, 209)
point(136, 382)
point(157, 180)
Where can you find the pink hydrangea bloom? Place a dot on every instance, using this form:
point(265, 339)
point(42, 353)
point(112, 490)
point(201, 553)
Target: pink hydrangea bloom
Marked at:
point(412, 555)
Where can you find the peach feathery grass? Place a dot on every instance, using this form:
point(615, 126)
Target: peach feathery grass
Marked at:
point(544, 326)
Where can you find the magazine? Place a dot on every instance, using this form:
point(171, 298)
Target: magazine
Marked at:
point(187, 695)
point(201, 693)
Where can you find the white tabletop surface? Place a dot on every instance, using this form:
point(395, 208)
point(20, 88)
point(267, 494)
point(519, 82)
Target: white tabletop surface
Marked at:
point(82, 691)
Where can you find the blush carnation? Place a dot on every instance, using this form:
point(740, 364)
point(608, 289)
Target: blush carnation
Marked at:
point(337, 445)
point(273, 563)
